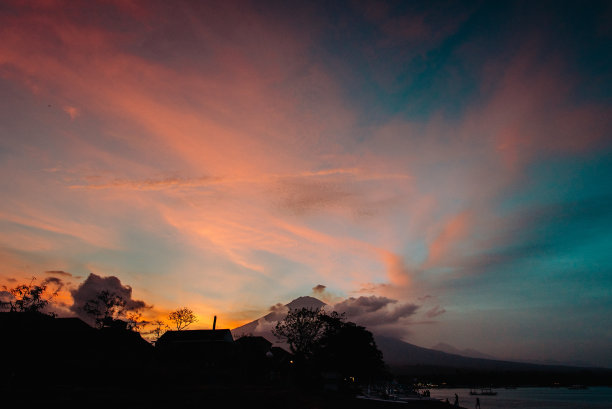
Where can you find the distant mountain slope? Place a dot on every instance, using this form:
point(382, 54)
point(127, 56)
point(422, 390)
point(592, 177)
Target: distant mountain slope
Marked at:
point(470, 353)
point(263, 326)
point(396, 352)
point(305, 302)
point(399, 353)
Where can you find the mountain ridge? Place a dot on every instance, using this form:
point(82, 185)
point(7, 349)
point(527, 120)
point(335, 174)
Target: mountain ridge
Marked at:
point(468, 352)
point(263, 326)
point(396, 352)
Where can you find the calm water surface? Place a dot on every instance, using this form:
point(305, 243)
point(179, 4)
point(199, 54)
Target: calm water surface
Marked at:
point(533, 398)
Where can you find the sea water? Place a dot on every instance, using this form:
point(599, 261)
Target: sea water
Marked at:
point(532, 398)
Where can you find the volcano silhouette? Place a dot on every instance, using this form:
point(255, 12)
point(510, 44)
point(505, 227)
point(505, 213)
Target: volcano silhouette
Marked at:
point(396, 352)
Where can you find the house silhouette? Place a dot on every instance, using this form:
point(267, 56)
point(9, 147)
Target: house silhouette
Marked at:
point(204, 352)
point(31, 341)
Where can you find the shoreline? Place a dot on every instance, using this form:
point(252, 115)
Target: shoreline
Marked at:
point(185, 397)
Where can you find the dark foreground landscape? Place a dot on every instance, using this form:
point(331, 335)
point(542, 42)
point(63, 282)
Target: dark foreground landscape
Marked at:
point(65, 362)
point(164, 396)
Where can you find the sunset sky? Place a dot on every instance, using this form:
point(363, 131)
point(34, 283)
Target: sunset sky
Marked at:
point(448, 165)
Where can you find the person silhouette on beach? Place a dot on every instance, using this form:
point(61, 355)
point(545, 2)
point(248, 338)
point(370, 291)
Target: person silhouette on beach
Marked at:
point(477, 403)
point(456, 400)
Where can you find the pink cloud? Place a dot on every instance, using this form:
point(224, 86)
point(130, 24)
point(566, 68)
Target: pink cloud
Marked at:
point(71, 111)
point(528, 110)
point(221, 131)
point(397, 271)
point(452, 231)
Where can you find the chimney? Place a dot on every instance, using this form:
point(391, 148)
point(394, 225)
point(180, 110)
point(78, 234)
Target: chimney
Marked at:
point(214, 322)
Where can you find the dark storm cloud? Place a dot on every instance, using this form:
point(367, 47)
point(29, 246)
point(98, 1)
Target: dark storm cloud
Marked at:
point(56, 284)
point(58, 273)
point(362, 304)
point(318, 289)
point(374, 311)
point(93, 285)
point(380, 315)
point(53, 280)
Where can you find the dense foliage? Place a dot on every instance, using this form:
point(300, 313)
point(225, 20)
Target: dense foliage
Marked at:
point(349, 349)
point(302, 329)
point(28, 297)
point(106, 307)
point(325, 343)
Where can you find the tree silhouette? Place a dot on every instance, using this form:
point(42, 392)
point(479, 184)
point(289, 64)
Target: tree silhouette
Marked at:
point(135, 322)
point(106, 307)
point(29, 297)
point(323, 342)
point(349, 349)
point(182, 318)
point(302, 329)
point(159, 328)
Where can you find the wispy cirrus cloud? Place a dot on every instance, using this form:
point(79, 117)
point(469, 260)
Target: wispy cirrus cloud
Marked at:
point(255, 151)
point(151, 184)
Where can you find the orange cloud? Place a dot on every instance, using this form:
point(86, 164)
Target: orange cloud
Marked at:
point(452, 231)
point(71, 111)
point(397, 272)
point(234, 144)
